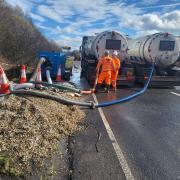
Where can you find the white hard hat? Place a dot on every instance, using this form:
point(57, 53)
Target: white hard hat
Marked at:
point(107, 52)
point(115, 53)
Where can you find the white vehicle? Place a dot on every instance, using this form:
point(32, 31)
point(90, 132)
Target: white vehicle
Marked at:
point(94, 47)
point(161, 48)
point(178, 39)
point(137, 56)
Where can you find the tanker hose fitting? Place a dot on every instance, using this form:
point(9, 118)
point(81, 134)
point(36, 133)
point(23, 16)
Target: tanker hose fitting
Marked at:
point(92, 104)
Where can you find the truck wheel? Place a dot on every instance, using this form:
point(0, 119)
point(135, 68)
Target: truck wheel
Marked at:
point(82, 74)
point(90, 75)
point(91, 81)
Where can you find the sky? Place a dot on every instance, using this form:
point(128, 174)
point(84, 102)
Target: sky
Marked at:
point(67, 21)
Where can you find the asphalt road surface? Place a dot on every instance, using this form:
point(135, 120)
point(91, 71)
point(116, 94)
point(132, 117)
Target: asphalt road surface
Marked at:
point(147, 131)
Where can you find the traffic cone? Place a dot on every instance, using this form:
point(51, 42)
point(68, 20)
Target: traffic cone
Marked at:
point(23, 74)
point(58, 77)
point(39, 77)
point(4, 86)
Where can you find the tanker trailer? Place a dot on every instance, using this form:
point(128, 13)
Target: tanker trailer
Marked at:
point(178, 39)
point(176, 67)
point(93, 47)
point(160, 48)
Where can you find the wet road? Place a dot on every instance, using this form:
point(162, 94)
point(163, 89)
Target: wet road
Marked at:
point(148, 130)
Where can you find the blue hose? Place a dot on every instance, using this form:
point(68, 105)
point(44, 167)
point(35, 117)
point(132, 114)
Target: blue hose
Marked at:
point(109, 103)
point(87, 104)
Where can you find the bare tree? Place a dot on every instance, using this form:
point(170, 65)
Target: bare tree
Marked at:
point(20, 40)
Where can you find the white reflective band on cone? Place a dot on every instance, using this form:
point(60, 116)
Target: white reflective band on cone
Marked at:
point(23, 73)
point(4, 79)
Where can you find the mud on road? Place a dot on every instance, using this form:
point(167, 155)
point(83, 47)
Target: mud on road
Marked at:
point(30, 131)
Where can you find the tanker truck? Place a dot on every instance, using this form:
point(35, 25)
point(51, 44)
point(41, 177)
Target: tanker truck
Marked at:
point(177, 64)
point(93, 47)
point(160, 48)
point(178, 39)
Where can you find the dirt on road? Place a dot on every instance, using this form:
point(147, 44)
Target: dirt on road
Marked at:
point(30, 130)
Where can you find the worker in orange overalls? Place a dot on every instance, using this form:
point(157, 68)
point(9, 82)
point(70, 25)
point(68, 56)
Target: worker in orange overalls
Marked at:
point(107, 67)
point(114, 74)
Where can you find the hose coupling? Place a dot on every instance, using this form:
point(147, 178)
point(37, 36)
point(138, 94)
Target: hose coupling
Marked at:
point(92, 104)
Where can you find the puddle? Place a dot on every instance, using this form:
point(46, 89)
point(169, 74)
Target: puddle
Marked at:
point(75, 78)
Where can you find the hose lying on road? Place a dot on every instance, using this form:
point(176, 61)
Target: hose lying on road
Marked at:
point(109, 103)
point(86, 91)
point(71, 102)
point(23, 86)
point(2, 95)
point(55, 98)
point(58, 86)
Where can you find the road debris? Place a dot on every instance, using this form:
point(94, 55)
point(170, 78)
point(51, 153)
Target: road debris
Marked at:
point(30, 130)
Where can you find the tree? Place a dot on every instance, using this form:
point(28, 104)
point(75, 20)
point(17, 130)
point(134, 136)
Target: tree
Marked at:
point(20, 40)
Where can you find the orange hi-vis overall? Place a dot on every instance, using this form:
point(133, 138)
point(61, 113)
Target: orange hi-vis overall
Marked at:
point(115, 73)
point(107, 66)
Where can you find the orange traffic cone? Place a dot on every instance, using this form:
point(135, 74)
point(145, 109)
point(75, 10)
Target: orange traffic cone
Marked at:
point(23, 74)
point(4, 86)
point(39, 77)
point(58, 77)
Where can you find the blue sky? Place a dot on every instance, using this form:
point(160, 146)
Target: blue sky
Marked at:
point(66, 21)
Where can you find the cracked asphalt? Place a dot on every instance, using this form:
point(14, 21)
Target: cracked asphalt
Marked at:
point(146, 128)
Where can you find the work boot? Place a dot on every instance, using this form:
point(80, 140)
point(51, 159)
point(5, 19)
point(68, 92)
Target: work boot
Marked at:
point(107, 88)
point(114, 89)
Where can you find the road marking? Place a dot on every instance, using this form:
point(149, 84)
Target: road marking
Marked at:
point(121, 158)
point(175, 93)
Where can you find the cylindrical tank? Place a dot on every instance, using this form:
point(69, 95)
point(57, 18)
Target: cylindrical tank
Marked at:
point(109, 40)
point(161, 48)
point(178, 39)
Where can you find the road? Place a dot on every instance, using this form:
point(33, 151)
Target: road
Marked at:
point(147, 130)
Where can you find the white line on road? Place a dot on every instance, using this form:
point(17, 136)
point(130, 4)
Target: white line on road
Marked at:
point(121, 158)
point(175, 93)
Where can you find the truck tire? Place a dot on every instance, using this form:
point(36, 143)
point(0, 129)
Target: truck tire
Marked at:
point(82, 74)
point(90, 75)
